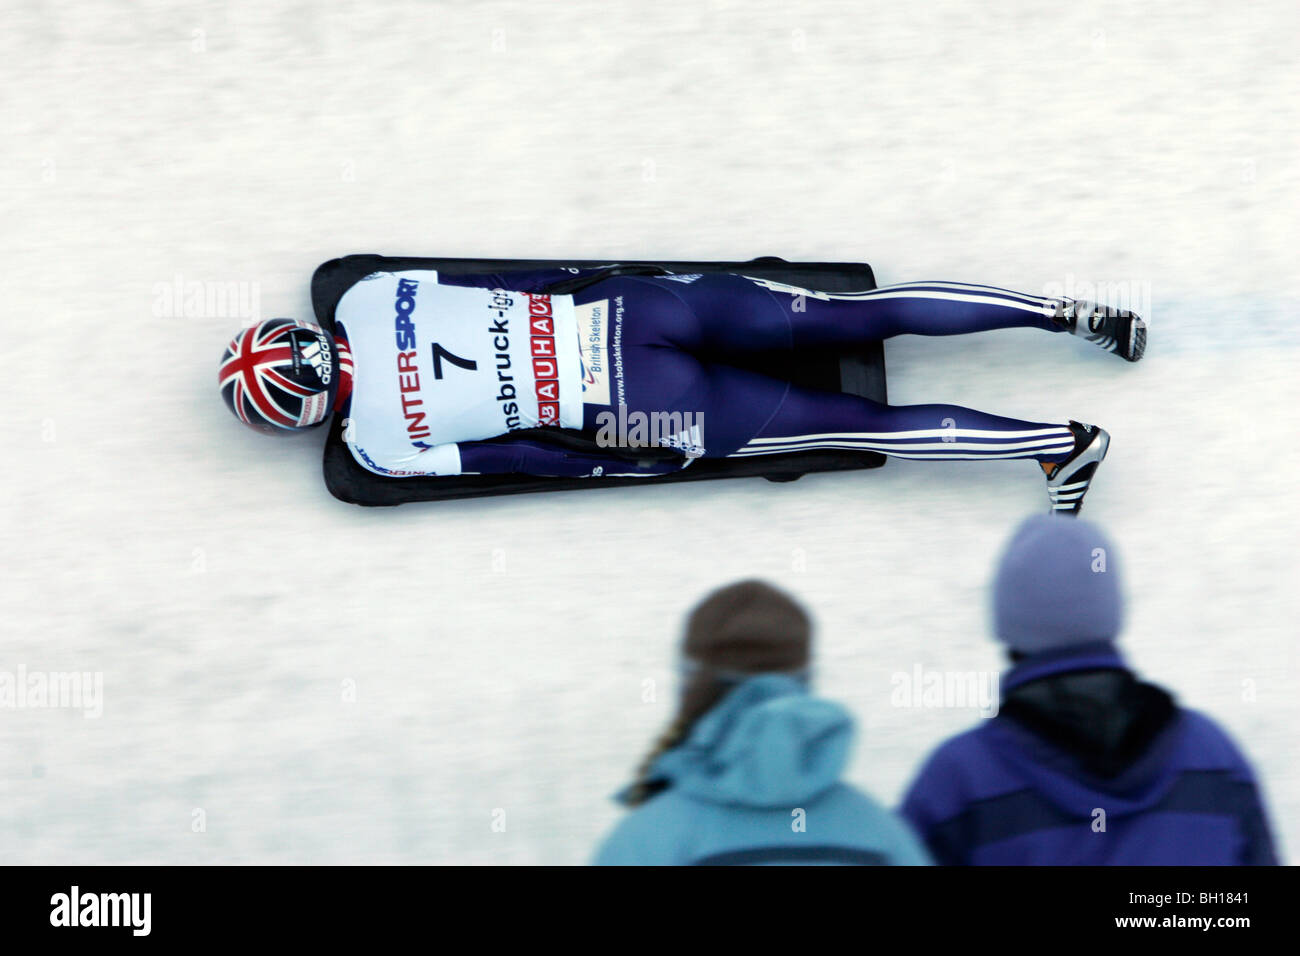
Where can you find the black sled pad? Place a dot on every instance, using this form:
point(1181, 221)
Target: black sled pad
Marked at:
point(860, 371)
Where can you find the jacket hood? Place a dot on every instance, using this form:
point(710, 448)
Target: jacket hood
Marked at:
point(768, 743)
point(1081, 722)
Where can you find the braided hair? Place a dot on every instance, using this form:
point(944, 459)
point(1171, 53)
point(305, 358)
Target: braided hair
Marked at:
point(736, 632)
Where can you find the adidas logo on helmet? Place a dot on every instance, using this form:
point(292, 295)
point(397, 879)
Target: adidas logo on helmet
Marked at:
point(280, 375)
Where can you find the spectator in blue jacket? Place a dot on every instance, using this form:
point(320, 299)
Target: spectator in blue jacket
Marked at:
point(749, 771)
point(1084, 764)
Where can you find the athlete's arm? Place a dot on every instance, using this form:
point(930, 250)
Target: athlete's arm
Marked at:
point(528, 280)
point(537, 458)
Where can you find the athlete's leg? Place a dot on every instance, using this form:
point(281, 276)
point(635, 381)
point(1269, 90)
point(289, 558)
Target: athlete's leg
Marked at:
point(741, 413)
point(735, 313)
point(917, 308)
point(807, 419)
point(733, 412)
point(652, 327)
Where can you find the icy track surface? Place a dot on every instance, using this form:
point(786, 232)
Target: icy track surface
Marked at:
point(303, 681)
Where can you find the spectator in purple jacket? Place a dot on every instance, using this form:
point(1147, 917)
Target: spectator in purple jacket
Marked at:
point(1085, 764)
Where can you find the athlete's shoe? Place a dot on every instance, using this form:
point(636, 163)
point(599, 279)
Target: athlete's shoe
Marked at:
point(1068, 481)
point(1114, 330)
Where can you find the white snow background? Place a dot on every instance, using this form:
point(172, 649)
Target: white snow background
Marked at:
point(516, 655)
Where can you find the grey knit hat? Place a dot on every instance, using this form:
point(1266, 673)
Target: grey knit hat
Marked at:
point(1057, 585)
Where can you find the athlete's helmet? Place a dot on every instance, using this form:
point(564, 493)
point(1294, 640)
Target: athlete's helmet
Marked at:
point(281, 375)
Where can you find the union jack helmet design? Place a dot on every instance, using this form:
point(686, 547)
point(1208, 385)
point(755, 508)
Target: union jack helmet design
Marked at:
point(282, 375)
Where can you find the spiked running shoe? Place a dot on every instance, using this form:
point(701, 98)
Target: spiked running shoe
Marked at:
point(1114, 330)
point(1068, 481)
